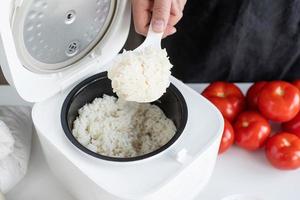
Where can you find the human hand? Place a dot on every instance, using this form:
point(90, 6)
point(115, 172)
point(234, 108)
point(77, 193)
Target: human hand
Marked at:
point(163, 14)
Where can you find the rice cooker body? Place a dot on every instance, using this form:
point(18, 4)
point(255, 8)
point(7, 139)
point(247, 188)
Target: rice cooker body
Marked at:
point(177, 172)
point(172, 103)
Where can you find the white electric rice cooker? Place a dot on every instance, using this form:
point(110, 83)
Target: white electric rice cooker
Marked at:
point(55, 53)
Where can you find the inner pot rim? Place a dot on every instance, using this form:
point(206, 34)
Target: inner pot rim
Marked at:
point(103, 75)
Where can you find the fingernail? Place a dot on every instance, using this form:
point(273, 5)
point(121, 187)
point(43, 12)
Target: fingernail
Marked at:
point(158, 26)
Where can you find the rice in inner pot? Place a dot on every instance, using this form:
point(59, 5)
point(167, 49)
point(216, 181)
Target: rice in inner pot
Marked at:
point(117, 128)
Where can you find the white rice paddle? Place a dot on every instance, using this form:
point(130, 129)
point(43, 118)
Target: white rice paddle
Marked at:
point(153, 39)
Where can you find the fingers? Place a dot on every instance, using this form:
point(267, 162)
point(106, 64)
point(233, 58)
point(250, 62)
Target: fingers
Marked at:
point(181, 4)
point(174, 19)
point(164, 14)
point(161, 15)
point(170, 30)
point(175, 16)
point(141, 15)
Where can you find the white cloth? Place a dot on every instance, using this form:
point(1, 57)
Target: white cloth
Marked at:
point(16, 150)
point(7, 141)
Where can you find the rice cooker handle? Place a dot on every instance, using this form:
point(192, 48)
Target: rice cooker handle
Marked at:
point(182, 156)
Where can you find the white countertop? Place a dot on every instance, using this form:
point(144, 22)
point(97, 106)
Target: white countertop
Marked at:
point(236, 172)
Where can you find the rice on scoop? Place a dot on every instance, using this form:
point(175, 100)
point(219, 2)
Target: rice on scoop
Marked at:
point(141, 76)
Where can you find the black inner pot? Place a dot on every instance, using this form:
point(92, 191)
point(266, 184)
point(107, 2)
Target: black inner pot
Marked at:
point(172, 103)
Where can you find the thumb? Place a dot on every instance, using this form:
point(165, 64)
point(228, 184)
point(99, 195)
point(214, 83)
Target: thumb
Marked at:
point(160, 15)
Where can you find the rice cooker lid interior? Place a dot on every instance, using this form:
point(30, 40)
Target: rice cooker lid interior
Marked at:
point(39, 77)
point(53, 34)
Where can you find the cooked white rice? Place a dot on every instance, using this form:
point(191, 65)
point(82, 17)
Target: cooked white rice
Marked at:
point(141, 76)
point(117, 128)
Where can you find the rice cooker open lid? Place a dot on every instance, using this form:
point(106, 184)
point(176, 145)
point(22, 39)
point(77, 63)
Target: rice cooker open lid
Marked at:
point(50, 44)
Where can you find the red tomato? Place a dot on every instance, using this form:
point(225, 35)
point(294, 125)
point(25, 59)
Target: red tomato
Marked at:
point(253, 93)
point(227, 137)
point(296, 83)
point(251, 130)
point(293, 126)
point(279, 101)
point(227, 97)
point(283, 151)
